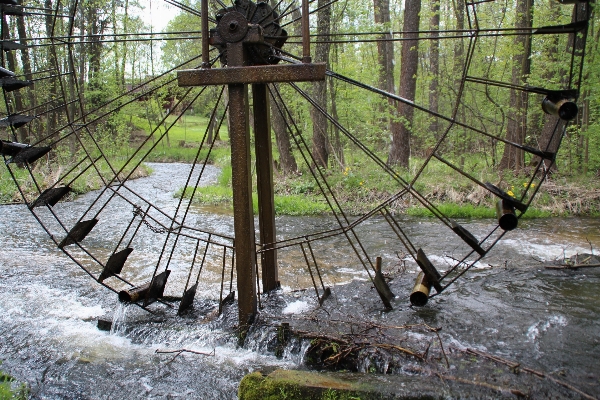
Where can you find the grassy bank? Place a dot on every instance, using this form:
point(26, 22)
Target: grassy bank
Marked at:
point(10, 389)
point(360, 189)
point(359, 186)
point(46, 174)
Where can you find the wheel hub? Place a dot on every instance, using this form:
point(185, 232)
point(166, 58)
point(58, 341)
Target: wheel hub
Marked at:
point(253, 24)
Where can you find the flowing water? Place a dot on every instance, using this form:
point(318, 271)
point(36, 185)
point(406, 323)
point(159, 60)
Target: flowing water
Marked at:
point(508, 305)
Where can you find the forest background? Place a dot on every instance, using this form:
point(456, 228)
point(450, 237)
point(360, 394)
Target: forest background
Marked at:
point(116, 55)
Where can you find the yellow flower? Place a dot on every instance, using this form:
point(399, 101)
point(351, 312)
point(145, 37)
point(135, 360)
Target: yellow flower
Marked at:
point(361, 182)
point(532, 185)
point(525, 184)
point(510, 193)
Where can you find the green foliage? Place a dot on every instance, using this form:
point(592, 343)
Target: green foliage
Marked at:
point(125, 101)
point(284, 205)
point(225, 176)
point(10, 390)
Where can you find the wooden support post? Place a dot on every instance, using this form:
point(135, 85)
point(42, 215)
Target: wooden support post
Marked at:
point(264, 177)
point(236, 33)
point(239, 136)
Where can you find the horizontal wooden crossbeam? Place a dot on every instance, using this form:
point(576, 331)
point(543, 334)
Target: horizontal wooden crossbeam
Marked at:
point(253, 74)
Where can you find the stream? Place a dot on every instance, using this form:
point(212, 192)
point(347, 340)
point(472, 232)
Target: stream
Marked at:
point(509, 304)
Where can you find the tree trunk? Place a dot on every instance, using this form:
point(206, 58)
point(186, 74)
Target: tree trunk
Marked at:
point(287, 162)
point(338, 148)
point(385, 48)
point(52, 120)
point(516, 129)
point(400, 147)
point(320, 140)
point(124, 50)
point(385, 59)
point(461, 146)
point(434, 66)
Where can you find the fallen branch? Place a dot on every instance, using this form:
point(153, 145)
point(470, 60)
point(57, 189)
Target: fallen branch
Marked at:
point(442, 347)
point(180, 351)
point(574, 266)
point(515, 365)
point(515, 392)
point(401, 349)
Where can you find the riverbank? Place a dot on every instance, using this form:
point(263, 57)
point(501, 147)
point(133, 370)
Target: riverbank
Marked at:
point(453, 195)
point(47, 174)
point(358, 188)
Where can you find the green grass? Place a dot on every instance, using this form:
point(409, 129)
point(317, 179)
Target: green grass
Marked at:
point(187, 129)
point(222, 196)
point(10, 390)
point(359, 187)
point(46, 175)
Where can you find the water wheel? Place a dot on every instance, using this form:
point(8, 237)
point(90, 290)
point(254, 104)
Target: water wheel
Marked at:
point(60, 108)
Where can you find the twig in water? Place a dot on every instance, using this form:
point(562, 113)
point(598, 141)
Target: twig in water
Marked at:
point(575, 266)
point(539, 374)
point(401, 349)
point(178, 353)
point(426, 352)
point(442, 347)
point(590, 243)
point(515, 392)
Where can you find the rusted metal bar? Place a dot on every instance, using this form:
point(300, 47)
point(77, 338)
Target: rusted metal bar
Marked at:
point(507, 218)
point(204, 33)
point(305, 33)
point(311, 274)
point(222, 280)
point(564, 108)
point(312, 254)
point(78, 232)
point(251, 74)
point(420, 293)
point(264, 178)
point(242, 193)
point(134, 294)
point(429, 270)
point(381, 285)
point(233, 265)
point(326, 290)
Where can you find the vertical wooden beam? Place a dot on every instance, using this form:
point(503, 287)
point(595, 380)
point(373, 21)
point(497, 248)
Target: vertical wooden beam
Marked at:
point(264, 175)
point(239, 137)
point(204, 32)
point(305, 33)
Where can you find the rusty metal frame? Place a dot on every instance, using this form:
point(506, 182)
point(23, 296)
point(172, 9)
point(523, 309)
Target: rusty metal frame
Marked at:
point(252, 74)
